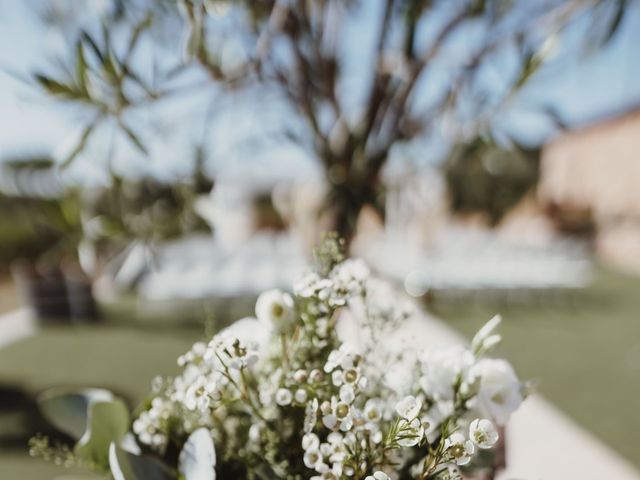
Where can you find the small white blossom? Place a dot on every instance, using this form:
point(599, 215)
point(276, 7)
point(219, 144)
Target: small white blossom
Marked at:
point(483, 433)
point(300, 396)
point(409, 407)
point(459, 448)
point(306, 286)
point(347, 394)
point(339, 415)
point(410, 432)
point(152, 425)
point(312, 458)
point(379, 475)
point(233, 352)
point(485, 339)
point(373, 410)
point(275, 309)
point(337, 358)
point(199, 394)
point(442, 367)
point(283, 397)
point(310, 415)
point(195, 355)
point(310, 441)
point(499, 390)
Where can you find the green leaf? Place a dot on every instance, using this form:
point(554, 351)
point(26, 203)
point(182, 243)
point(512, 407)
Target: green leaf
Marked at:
point(85, 37)
point(82, 142)
point(197, 459)
point(140, 27)
point(614, 26)
point(55, 87)
point(127, 466)
point(68, 410)
point(133, 137)
point(108, 421)
point(81, 67)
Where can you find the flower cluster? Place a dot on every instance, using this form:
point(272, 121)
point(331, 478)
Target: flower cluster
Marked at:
point(285, 395)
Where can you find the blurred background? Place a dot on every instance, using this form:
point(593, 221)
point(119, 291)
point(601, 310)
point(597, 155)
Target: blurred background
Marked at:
point(162, 162)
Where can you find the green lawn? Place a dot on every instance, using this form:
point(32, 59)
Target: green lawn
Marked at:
point(118, 358)
point(584, 351)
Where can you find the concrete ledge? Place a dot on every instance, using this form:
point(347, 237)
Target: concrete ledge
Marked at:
point(542, 442)
point(16, 325)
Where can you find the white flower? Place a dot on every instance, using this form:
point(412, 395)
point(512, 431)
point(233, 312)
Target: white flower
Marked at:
point(338, 415)
point(300, 395)
point(452, 472)
point(312, 458)
point(195, 355)
point(499, 390)
point(379, 475)
point(410, 432)
point(485, 339)
point(310, 441)
point(310, 415)
point(409, 407)
point(337, 358)
point(198, 395)
point(441, 368)
point(235, 353)
point(283, 397)
point(151, 425)
point(337, 378)
point(373, 410)
point(306, 286)
point(459, 448)
point(347, 394)
point(483, 433)
point(275, 309)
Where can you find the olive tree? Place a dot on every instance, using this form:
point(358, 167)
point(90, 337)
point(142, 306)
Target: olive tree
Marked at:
point(305, 52)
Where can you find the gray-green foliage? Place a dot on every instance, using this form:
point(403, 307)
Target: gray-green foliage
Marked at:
point(127, 466)
point(94, 418)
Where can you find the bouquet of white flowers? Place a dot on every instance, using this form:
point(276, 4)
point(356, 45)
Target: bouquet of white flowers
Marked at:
point(286, 395)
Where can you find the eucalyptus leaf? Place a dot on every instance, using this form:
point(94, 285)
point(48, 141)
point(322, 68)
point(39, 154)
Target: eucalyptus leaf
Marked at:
point(68, 410)
point(127, 466)
point(108, 422)
point(197, 459)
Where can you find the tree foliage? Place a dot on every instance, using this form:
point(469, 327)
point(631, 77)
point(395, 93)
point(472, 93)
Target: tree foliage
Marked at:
point(303, 51)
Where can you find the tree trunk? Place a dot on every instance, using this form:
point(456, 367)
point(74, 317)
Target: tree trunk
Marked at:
point(346, 200)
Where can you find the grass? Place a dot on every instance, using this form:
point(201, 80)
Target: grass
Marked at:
point(585, 352)
point(118, 358)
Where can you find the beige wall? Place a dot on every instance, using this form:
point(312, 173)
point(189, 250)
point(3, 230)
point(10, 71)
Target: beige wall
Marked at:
point(599, 168)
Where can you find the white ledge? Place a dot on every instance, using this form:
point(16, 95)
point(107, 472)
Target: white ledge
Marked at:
point(16, 325)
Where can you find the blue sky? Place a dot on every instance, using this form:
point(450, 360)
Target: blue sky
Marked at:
point(579, 88)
